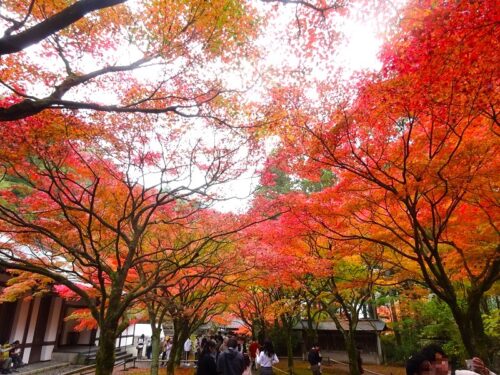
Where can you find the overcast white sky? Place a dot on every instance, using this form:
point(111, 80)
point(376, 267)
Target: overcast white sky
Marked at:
point(357, 52)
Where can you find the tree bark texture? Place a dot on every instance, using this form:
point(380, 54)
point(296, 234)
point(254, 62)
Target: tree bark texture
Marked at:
point(106, 351)
point(18, 42)
point(155, 355)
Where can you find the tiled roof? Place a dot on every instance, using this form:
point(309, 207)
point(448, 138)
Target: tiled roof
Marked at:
point(363, 325)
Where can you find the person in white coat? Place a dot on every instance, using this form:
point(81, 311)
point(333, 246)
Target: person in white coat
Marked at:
point(187, 348)
point(267, 358)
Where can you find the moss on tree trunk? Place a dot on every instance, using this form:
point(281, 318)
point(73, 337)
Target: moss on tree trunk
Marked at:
point(155, 355)
point(106, 351)
point(353, 353)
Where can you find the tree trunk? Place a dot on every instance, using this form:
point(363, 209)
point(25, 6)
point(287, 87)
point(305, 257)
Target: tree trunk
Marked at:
point(471, 328)
point(106, 351)
point(352, 353)
point(174, 353)
point(171, 363)
point(178, 339)
point(311, 335)
point(183, 334)
point(464, 329)
point(395, 320)
point(481, 341)
point(485, 306)
point(155, 355)
point(289, 350)
point(254, 330)
point(173, 359)
point(263, 331)
point(180, 348)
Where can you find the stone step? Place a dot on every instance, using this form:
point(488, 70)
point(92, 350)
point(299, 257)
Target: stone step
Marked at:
point(46, 368)
point(91, 358)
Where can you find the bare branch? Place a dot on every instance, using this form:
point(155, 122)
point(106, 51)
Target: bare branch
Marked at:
point(18, 42)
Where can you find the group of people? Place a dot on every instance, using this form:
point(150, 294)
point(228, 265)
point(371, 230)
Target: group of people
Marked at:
point(432, 360)
point(10, 357)
point(217, 355)
point(165, 348)
point(230, 356)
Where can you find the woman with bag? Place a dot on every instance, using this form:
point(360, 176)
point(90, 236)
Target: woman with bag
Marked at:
point(267, 358)
point(140, 346)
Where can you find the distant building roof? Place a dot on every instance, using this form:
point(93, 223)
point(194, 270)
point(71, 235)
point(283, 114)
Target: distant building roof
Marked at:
point(233, 325)
point(363, 325)
point(328, 325)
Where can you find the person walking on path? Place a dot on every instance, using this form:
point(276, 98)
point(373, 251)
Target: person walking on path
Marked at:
point(267, 358)
point(149, 348)
point(167, 348)
point(140, 346)
point(206, 359)
point(230, 361)
point(314, 359)
point(252, 351)
point(187, 349)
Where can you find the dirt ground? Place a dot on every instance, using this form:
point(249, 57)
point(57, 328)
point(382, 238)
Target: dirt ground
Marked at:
point(300, 368)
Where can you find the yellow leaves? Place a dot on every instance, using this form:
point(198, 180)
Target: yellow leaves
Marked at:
point(84, 318)
point(25, 285)
point(283, 306)
point(216, 26)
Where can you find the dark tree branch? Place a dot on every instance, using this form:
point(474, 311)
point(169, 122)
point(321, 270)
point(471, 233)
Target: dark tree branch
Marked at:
point(307, 4)
point(18, 24)
point(18, 42)
point(32, 106)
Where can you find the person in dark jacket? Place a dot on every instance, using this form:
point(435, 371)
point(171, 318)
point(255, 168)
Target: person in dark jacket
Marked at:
point(149, 348)
point(206, 359)
point(231, 361)
point(314, 359)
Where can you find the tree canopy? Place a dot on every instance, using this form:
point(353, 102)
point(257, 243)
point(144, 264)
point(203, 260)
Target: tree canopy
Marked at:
point(124, 123)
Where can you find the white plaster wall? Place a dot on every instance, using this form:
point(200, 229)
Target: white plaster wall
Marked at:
point(32, 323)
point(26, 355)
point(53, 320)
point(20, 321)
point(46, 354)
point(31, 329)
point(51, 332)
